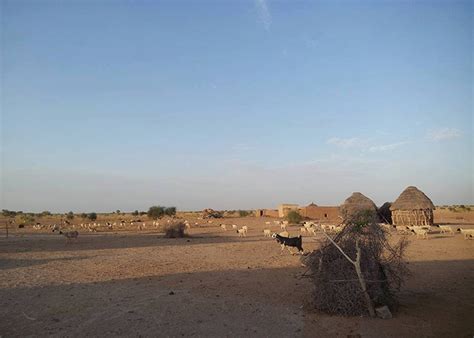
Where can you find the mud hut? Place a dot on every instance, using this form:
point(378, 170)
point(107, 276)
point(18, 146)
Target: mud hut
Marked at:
point(412, 208)
point(356, 204)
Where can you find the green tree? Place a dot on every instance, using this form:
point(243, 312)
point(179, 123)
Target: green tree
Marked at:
point(243, 213)
point(92, 216)
point(135, 213)
point(294, 217)
point(171, 211)
point(156, 212)
point(70, 215)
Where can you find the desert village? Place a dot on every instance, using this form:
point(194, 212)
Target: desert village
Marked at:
point(217, 273)
point(237, 168)
point(411, 208)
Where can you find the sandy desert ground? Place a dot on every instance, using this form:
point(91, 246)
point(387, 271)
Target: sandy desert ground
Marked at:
point(212, 283)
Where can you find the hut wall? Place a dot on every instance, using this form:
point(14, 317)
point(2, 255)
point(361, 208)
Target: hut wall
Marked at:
point(330, 214)
point(266, 213)
point(412, 217)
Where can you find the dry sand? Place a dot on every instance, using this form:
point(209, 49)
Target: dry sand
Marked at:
point(211, 284)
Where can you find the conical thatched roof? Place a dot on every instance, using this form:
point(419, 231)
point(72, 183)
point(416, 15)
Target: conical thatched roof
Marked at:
point(357, 203)
point(312, 205)
point(412, 199)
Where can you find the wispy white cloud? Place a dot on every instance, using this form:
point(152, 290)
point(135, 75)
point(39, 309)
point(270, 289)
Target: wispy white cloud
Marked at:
point(386, 147)
point(353, 142)
point(443, 134)
point(363, 145)
point(264, 13)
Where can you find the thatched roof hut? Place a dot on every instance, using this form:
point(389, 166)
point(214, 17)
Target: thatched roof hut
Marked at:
point(356, 204)
point(412, 208)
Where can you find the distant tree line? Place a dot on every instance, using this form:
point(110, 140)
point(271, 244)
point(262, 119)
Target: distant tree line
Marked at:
point(154, 212)
point(158, 211)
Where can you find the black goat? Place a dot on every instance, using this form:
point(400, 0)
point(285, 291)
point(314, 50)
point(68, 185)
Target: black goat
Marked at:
point(295, 242)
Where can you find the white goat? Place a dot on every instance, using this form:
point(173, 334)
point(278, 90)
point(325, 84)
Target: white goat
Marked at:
point(245, 228)
point(242, 232)
point(420, 232)
point(234, 226)
point(224, 227)
point(468, 233)
point(401, 228)
point(445, 228)
point(267, 233)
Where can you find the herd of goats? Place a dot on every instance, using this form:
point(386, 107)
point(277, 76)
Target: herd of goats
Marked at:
point(307, 227)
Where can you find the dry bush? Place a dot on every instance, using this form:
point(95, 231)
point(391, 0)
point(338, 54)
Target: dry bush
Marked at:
point(211, 213)
point(337, 286)
point(174, 230)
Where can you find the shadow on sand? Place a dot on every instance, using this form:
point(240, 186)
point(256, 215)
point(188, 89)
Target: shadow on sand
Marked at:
point(437, 301)
point(55, 242)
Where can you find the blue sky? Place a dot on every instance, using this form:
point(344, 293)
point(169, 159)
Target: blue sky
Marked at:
point(239, 104)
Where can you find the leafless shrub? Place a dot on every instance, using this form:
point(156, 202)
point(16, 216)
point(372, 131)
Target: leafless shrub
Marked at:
point(361, 245)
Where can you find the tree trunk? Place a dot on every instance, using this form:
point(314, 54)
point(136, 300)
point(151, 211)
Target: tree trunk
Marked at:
point(363, 286)
point(356, 263)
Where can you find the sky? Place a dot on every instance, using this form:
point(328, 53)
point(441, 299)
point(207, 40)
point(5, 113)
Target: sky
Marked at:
point(110, 105)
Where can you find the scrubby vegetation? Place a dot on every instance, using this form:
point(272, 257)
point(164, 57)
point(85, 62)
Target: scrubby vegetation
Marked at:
point(294, 217)
point(211, 213)
point(158, 211)
point(174, 230)
point(358, 270)
point(244, 213)
point(8, 213)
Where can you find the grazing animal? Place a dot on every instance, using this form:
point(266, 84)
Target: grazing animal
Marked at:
point(445, 228)
point(303, 230)
point(468, 233)
point(224, 227)
point(420, 232)
point(401, 228)
point(282, 226)
point(242, 232)
point(267, 233)
point(268, 223)
point(245, 228)
point(234, 226)
point(55, 228)
point(290, 242)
